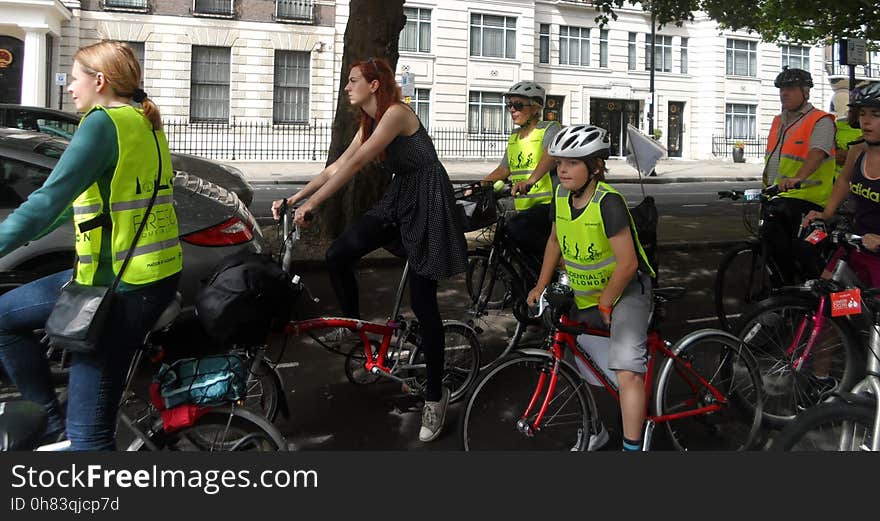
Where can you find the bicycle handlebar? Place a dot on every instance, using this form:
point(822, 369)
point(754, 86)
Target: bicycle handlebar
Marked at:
point(766, 193)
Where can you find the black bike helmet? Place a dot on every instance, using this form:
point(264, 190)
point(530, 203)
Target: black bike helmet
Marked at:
point(867, 96)
point(793, 78)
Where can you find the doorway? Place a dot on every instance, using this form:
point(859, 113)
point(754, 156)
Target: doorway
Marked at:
point(676, 128)
point(614, 115)
point(11, 67)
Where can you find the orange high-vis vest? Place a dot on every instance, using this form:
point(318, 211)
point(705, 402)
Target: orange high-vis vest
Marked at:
point(795, 147)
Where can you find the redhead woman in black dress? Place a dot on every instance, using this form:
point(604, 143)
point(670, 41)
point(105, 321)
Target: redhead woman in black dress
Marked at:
point(418, 210)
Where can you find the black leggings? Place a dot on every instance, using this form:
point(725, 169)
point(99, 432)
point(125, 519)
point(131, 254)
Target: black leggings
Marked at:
point(368, 234)
point(794, 256)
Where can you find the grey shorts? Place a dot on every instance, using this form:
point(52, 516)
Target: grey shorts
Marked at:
point(629, 325)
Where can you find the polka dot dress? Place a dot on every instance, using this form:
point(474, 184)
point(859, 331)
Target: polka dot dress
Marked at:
point(421, 202)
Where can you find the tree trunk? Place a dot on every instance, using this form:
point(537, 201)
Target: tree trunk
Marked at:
point(373, 30)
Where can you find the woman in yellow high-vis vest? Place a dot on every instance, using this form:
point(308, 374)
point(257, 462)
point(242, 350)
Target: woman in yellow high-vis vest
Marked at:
point(528, 166)
point(594, 234)
point(104, 181)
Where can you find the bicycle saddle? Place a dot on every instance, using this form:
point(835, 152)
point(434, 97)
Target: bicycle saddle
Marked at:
point(22, 424)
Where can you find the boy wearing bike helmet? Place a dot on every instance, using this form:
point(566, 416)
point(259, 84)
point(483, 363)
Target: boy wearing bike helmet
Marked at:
point(528, 166)
point(593, 232)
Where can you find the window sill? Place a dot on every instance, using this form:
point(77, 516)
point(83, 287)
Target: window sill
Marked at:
point(576, 68)
point(742, 78)
point(489, 59)
point(114, 9)
point(299, 21)
point(417, 54)
point(226, 16)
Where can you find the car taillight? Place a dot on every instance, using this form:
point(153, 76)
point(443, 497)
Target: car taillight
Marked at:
point(227, 233)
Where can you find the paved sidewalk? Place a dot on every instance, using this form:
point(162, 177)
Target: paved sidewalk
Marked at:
point(668, 171)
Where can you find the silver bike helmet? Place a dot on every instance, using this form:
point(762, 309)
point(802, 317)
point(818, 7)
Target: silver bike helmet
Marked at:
point(866, 96)
point(581, 142)
point(529, 90)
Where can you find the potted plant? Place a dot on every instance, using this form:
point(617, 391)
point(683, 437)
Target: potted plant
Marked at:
point(657, 134)
point(739, 152)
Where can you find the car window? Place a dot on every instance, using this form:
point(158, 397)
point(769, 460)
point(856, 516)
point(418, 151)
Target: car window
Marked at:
point(55, 127)
point(18, 180)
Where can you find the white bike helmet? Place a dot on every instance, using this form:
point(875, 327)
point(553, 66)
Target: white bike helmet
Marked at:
point(529, 90)
point(581, 142)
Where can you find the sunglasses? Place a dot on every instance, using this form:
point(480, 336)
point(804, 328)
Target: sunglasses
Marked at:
point(375, 67)
point(516, 105)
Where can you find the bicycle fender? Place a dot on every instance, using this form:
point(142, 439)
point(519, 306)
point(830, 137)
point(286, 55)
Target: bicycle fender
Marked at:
point(283, 406)
point(699, 334)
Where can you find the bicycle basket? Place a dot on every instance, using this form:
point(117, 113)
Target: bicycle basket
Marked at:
point(477, 209)
point(209, 380)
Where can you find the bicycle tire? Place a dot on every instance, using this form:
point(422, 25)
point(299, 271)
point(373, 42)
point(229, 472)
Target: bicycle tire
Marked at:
point(722, 360)
point(240, 429)
point(263, 391)
point(736, 287)
point(820, 429)
point(490, 418)
point(768, 331)
point(499, 320)
point(461, 360)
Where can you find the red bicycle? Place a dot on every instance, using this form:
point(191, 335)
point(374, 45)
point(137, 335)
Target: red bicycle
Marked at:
point(394, 350)
point(708, 390)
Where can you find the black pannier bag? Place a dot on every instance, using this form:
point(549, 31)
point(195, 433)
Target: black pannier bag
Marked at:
point(476, 210)
point(246, 297)
point(646, 218)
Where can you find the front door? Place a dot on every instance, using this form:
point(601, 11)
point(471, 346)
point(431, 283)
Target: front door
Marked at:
point(11, 61)
point(676, 129)
point(613, 115)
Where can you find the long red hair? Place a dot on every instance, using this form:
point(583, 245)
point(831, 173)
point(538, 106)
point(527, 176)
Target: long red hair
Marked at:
point(387, 94)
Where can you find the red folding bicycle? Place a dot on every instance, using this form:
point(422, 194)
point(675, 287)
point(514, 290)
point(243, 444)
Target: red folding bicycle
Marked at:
point(708, 390)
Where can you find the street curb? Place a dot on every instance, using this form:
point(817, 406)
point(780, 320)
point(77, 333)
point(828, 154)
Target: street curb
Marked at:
point(625, 180)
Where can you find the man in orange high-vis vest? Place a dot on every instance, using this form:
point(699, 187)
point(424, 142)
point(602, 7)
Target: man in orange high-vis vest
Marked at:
point(800, 148)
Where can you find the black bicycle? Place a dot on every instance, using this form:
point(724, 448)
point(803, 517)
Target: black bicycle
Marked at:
point(747, 274)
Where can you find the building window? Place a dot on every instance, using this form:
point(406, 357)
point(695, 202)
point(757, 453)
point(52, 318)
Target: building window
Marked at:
point(631, 52)
point(487, 114)
point(662, 53)
point(574, 45)
point(209, 93)
point(742, 57)
point(137, 48)
point(416, 35)
point(291, 99)
point(126, 4)
point(213, 7)
point(796, 57)
point(544, 43)
point(303, 10)
point(739, 121)
point(603, 48)
point(421, 103)
point(493, 36)
point(684, 55)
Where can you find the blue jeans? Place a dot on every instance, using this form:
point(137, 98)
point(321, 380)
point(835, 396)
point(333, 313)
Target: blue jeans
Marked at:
point(96, 379)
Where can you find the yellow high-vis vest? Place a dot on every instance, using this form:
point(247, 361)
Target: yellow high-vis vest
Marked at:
point(589, 259)
point(157, 254)
point(523, 155)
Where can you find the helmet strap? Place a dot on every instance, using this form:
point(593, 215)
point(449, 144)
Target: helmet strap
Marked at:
point(590, 176)
point(872, 143)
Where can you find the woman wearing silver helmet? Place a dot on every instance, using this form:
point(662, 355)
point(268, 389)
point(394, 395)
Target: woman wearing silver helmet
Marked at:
point(593, 232)
point(527, 165)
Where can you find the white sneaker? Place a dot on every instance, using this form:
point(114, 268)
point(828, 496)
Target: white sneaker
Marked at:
point(433, 416)
point(597, 441)
point(336, 336)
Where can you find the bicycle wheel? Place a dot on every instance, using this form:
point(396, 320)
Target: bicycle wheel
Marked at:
point(710, 358)
point(769, 331)
point(355, 368)
point(493, 414)
point(834, 426)
point(742, 281)
point(222, 429)
point(461, 360)
point(494, 312)
point(262, 390)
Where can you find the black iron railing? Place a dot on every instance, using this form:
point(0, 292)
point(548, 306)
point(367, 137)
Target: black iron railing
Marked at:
point(722, 146)
point(265, 141)
point(299, 10)
point(215, 7)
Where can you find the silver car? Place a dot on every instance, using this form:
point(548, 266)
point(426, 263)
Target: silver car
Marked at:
point(213, 222)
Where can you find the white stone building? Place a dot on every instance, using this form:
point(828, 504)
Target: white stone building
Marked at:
point(274, 62)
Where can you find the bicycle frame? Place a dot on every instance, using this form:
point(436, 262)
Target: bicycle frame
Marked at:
point(563, 340)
